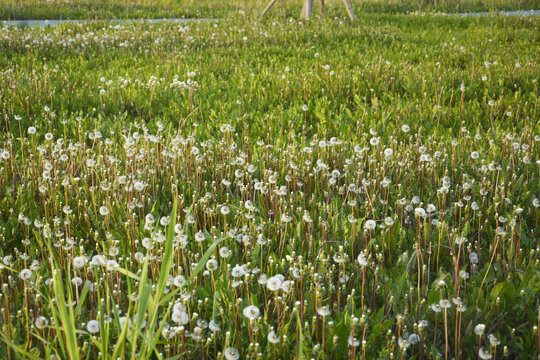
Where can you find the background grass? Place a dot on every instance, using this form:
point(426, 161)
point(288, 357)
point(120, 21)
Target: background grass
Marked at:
point(387, 69)
point(134, 9)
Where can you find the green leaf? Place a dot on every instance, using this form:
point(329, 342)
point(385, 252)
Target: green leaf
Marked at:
point(67, 317)
point(82, 296)
point(204, 259)
point(127, 273)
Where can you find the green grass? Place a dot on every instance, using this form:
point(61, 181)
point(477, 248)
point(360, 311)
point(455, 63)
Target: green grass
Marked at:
point(134, 9)
point(151, 174)
point(387, 69)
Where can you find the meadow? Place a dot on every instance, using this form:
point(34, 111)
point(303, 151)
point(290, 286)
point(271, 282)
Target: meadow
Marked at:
point(271, 188)
point(136, 9)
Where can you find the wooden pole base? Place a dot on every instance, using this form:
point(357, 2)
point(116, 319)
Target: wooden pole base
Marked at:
point(349, 10)
point(307, 9)
point(308, 6)
point(268, 7)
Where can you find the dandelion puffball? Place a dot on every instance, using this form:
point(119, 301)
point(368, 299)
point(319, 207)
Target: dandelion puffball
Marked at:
point(104, 210)
point(93, 326)
point(274, 283)
point(370, 224)
point(251, 312)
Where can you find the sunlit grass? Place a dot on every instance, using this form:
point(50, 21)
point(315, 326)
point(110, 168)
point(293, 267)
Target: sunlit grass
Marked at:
point(135, 9)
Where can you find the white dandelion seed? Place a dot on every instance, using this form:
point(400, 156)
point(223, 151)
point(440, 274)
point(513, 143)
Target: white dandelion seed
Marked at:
point(460, 240)
point(99, 260)
point(286, 286)
point(112, 264)
point(199, 236)
point(339, 258)
point(213, 326)
point(323, 311)
point(224, 252)
point(93, 326)
point(484, 355)
point(286, 218)
point(362, 259)
point(479, 329)
point(179, 281)
point(493, 341)
point(352, 341)
point(413, 339)
point(231, 354)
point(181, 318)
point(237, 271)
point(139, 186)
point(370, 225)
point(445, 304)
point(263, 279)
point(273, 338)
point(41, 322)
point(179, 308)
point(212, 265)
point(79, 262)
point(420, 212)
point(25, 274)
point(374, 141)
point(274, 283)
point(251, 312)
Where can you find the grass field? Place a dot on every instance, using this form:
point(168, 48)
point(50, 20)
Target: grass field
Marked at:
point(270, 188)
point(135, 9)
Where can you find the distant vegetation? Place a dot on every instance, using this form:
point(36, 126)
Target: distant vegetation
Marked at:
point(135, 9)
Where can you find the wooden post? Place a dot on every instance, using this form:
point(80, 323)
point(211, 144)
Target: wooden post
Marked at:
point(268, 7)
point(309, 8)
point(349, 9)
